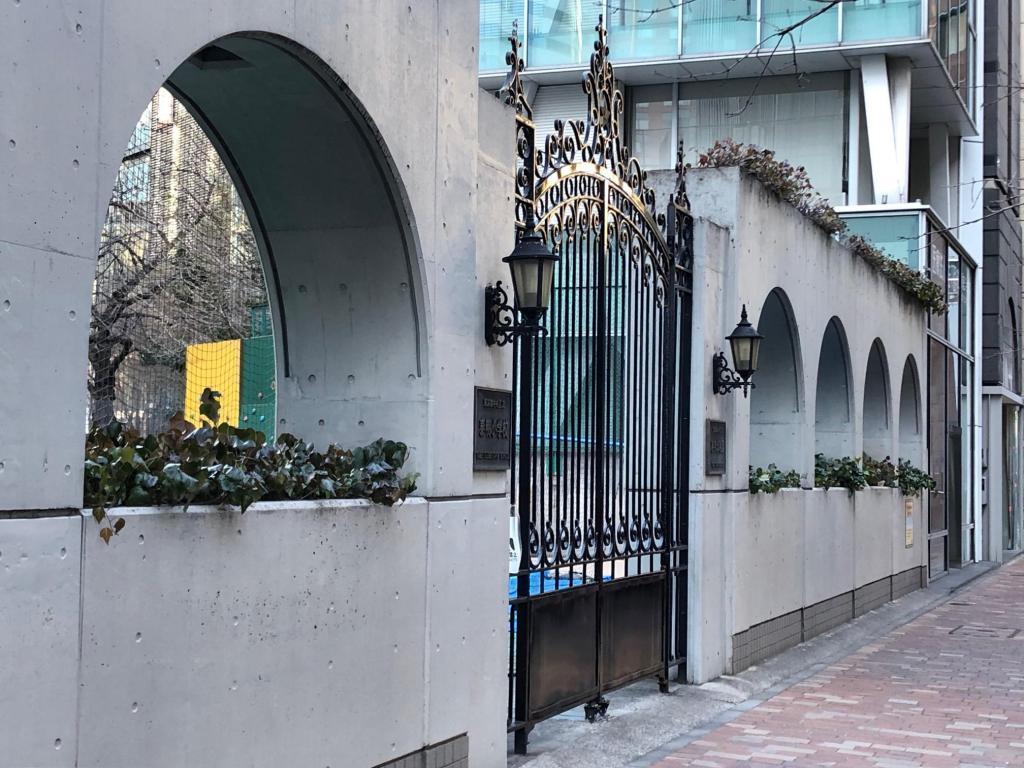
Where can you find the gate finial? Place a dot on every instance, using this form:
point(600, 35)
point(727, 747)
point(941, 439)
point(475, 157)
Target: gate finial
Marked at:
point(512, 91)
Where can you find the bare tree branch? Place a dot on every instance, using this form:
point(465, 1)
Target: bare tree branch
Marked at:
point(177, 265)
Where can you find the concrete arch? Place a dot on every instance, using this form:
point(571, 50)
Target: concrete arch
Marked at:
point(911, 436)
point(334, 231)
point(776, 403)
point(876, 420)
point(833, 415)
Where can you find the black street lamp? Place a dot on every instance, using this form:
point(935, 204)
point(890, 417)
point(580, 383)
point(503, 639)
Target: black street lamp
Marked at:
point(532, 265)
point(745, 342)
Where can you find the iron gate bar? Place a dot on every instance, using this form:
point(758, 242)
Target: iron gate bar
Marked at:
point(600, 479)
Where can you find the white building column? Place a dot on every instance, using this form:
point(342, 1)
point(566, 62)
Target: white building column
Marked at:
point(886, 104)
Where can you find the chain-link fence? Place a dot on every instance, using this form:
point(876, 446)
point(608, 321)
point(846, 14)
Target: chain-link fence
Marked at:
point(179, 301)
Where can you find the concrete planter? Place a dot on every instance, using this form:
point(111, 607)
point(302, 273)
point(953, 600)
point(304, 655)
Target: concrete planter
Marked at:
point(293, 634)
point(829, 544)
point(798, 548)
point(874, 512)
point(769, 556)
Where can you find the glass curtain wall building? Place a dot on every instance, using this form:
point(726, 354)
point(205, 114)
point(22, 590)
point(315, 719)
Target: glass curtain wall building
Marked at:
point(557, 32)
point(951, 360)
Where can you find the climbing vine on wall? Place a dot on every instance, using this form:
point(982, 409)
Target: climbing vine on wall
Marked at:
point(793, 185)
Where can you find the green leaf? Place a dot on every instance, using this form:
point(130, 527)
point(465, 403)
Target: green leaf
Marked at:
point(223, 464)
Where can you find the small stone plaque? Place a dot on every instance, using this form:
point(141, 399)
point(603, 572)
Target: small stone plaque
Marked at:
point(492, 430)
point(714, 447)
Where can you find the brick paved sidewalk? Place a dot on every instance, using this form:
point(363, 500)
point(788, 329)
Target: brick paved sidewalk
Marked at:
point(947, 689)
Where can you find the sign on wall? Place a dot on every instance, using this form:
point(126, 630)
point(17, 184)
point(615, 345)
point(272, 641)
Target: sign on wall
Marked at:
point(515, 546)
point(492, 430)
point(908, 512)
point(714, 447)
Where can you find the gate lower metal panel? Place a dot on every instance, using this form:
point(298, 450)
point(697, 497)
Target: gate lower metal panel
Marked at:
point(632, 637)
point(563, 654)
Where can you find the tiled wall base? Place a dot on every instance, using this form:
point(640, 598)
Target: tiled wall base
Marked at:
point(768, 638)
point(453, 753)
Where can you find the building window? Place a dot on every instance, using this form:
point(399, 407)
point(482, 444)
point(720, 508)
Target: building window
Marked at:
point(951, 28)
point(881, 19)
point(133, 180)
point(780, 14)
point(561, 32)
point(1013, 358)
point(719, 26)
point(896, 235)
point(496, 18)
point(805, 126)
point(643, 29)
point(654, 111)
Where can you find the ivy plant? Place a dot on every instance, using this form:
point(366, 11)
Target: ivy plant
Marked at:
point(206, 464)
point(772, 479)
point(854, 474)
point(846, 472)
point(880, 473)
point(792, 184)
point(912, 480)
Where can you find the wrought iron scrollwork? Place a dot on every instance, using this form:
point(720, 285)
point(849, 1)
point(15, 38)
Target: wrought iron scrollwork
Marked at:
point(724, 379)
point(679, 227)
point(600, 139)
point(499, 316)
point(512, 91)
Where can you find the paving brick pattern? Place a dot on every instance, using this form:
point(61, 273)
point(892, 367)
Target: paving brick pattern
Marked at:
point(945, 690)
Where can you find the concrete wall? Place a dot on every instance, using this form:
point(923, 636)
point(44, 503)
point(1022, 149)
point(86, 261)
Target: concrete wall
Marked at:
point(748, 242)
point(379, 176)
point(305, 634)
point(800, 547)
point(373, 210)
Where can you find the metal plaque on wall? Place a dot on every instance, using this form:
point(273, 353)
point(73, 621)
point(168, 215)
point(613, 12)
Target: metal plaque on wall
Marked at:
point(492, 430)
point(714, 447)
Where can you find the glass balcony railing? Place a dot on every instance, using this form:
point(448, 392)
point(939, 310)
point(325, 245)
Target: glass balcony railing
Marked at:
point(559, 33)
point(899, 233)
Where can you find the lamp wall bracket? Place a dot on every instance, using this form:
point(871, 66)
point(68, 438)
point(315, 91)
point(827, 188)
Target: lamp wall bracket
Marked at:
point(724, 379)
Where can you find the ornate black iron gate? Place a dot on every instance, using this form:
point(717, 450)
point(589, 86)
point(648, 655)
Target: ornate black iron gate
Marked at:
point(603, 397)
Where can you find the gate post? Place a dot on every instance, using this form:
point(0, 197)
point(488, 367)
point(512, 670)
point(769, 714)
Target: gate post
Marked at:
point(524, 494)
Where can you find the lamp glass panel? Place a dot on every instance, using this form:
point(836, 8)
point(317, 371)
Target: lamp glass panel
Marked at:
point(547, 275)
point(742, 348)
point(525, 279)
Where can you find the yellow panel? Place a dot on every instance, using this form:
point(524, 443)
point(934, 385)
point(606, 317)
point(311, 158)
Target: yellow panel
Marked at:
point(217, 365)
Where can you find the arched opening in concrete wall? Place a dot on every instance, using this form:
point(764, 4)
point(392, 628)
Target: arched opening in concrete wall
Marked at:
point(877, 433)
point(910, 433)
point(833, 422)
point(776, 402)
point(332, 231)
point(179, 299)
